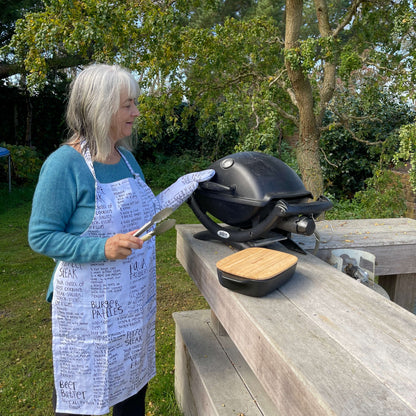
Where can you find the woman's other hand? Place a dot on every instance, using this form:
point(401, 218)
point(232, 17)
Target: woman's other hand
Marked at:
point(120, 246)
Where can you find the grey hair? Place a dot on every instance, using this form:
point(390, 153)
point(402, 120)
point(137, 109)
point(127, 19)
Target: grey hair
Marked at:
point(93, 101)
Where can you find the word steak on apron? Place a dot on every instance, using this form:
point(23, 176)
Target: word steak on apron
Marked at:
point(103, 314)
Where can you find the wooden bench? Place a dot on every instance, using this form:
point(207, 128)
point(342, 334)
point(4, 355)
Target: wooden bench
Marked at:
point(211, 376)
point(323, 344)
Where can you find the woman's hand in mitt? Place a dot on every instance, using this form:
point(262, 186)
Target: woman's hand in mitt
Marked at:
point(177, 193)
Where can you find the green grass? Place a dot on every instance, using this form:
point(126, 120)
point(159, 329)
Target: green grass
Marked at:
point(25, 325)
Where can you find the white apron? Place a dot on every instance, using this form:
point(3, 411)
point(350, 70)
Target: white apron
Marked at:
point(103, 314)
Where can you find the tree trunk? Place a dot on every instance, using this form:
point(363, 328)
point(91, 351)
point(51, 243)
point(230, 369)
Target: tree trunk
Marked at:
point(307, 155)
point(308, 145)
point(16, 123)
point(29, 118)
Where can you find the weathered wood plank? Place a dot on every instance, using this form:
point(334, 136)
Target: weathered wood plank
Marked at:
point(358, 322)
point(323, 344)
point(391, 240)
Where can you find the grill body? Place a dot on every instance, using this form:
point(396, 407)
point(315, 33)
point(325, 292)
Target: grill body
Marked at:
point(254, 196)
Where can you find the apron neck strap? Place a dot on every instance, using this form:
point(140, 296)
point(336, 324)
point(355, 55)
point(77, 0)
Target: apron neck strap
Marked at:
point(87, 156)
point(128, 164)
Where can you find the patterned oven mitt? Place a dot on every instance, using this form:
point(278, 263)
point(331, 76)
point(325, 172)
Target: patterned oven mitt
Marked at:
point(177, 193)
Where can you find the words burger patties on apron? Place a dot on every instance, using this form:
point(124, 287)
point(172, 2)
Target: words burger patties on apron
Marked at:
point(103, 314)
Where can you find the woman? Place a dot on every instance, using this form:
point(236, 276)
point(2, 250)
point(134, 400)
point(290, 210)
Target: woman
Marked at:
point(89, 199)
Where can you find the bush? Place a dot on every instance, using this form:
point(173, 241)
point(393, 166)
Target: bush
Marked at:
point(26, 163)
point(384, 196)
point(407, 151)
point(167, 169)
point(351, 163)
point(345, 209)
point(347, 162)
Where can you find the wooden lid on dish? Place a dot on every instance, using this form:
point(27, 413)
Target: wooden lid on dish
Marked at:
point(257, 263)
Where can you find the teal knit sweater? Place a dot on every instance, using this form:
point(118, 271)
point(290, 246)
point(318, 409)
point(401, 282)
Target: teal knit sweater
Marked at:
point(64, 204)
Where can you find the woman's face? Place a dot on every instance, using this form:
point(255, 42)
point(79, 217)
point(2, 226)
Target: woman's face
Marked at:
point(122, 122)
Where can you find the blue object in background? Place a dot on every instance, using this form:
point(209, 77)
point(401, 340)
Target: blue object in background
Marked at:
point(5, 153)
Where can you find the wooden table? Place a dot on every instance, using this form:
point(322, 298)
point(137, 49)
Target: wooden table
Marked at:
point(323, 344)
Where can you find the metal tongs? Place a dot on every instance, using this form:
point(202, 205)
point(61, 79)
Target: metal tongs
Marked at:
point(159, 229)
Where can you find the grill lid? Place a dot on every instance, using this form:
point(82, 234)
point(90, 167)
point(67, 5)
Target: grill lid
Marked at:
point(245, 184)
point(252, 178)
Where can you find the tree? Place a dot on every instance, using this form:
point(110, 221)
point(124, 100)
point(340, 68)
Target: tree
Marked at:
point(271, 69)
point(269, 79)
point(12, 10)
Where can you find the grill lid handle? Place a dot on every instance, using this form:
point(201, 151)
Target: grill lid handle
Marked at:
point(217, 187)
point(307, 208)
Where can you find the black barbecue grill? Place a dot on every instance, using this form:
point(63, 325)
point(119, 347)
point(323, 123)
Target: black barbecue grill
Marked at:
point(255, 199)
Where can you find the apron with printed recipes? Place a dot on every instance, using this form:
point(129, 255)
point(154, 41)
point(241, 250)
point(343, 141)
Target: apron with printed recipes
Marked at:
point(103, 314)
